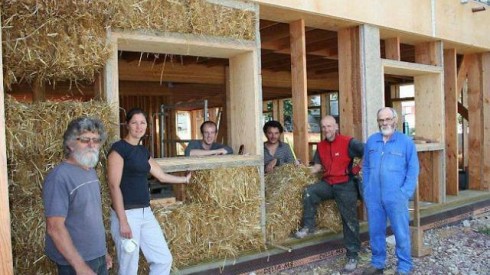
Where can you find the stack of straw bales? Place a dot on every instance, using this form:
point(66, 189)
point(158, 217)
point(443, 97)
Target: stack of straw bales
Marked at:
point(219, 220)
point(52, 40)
point(34, 135)
point(284, 203)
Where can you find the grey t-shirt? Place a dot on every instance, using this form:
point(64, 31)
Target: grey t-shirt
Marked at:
point(74, 193)
point(283, 154)
point(197, 144)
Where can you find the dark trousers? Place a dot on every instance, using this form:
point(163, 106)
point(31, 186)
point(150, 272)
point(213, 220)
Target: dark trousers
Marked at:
point(345, 196)
point(98, 265)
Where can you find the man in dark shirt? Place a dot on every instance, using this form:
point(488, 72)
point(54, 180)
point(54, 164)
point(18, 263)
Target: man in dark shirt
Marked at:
point(207, 146)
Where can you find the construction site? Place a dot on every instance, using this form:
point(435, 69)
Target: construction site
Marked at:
point(241, 64)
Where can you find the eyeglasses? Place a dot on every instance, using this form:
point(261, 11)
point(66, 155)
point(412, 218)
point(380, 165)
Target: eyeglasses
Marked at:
point(86, 140)
point(390, 119)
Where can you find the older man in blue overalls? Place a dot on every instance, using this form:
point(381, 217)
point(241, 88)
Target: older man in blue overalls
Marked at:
point(390, 172)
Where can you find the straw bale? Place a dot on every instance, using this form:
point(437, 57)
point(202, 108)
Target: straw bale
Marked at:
point(284, 203)
point(214, 223)
point(221, 21)
point(34, 146)
point(225, 187)
point(50, 40)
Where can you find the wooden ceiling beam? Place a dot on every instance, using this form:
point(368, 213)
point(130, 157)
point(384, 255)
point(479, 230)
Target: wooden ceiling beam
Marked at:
point(200, 74)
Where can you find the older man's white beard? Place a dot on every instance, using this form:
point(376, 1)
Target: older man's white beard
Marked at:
point(387, 130)
point(87, 157)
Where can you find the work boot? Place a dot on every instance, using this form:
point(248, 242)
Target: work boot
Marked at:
point(303, 232)
point(351, 265)
point(371, 270)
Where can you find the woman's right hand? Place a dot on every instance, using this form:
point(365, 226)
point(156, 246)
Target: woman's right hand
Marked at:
point(125, 230)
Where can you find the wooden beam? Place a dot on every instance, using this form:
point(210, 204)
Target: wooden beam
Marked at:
point(462, 110)
point(299, 89)
point(245, 103)
point(392, 48)
point(350, 82)
point(175, 72)
point(475, 121)
point(429, 53)
point(462, 76)
point(451, 109)
point(6, 261)
point(485, 74)
point(111, 78)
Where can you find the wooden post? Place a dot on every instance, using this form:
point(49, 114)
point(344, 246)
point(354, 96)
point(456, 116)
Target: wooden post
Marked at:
point(392, 48)
point(245, 103)
point(429, 53)
point(6, 262)
point(451, 109)
point(418, 247)
point(360, 77)
point(299, 89)
point(324, 108)
point(38, 90)
point(397, 105)
point(485, 74)
point(475, 121)
point(111, 80)
point(99, 87)
point(350, 82)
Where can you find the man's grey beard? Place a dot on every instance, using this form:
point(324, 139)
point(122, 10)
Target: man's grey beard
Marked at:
point(387, 131)
point(88, 157)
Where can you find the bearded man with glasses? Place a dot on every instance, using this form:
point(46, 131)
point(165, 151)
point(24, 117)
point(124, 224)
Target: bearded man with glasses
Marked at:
point(75, 234)
point(390, 172)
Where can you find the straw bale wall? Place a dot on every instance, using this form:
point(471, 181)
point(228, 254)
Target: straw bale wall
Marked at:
point(219, 220)
point(284, 203)
point(52, 40)
point(34, 135)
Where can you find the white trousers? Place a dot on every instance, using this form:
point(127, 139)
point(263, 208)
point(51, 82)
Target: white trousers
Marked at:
point(148, 235)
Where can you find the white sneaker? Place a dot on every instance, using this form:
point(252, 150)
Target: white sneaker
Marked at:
point(351, 265)
point(303, 232)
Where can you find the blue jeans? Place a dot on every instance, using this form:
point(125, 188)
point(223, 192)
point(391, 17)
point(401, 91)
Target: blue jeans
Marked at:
point(98, 265)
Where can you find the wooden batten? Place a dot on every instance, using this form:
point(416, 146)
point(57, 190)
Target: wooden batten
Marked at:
point(299, 89)
point(451, 130)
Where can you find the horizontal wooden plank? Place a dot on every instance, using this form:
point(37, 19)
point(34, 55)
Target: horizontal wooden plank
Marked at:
point(395, 67)
point(210, 162)
point(429, 147)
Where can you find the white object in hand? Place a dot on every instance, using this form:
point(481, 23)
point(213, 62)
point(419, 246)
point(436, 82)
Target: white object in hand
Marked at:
point(129, 245)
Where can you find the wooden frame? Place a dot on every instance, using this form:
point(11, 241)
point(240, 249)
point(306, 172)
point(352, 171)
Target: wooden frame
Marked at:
point(429, 103)
point(244, 90)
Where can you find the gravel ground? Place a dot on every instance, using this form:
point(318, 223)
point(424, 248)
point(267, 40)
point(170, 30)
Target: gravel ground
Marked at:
point(463, 249)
